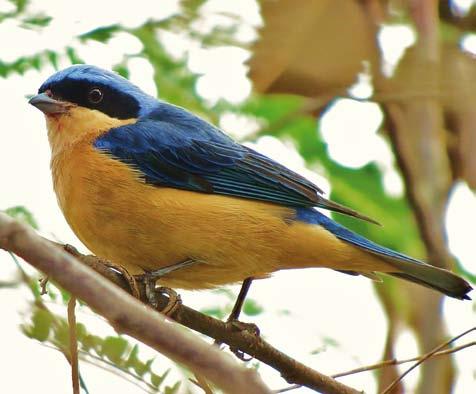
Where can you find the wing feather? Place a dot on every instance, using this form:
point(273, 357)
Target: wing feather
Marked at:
point(174, 148)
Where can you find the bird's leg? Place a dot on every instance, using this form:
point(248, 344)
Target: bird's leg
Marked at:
point(150, 278)
point(240, 300)
point(237, 308)
point(233, 321)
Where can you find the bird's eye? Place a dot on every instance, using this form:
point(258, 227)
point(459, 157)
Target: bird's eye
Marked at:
point(95, 96)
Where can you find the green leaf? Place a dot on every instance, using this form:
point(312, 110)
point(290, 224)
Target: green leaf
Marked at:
point(41, 326)
point(38, 20)
point(122, 70)
point(61, 334)
point(101, 34)
point(136, 364)
point(156, 379)
point(53, 59)
point(132, 359)
point(141, 368)
point(114, 348)
point(90, 342)
point(22, 214)
point(214, 311)
point(81, 332)
point(73, 56)
point(252, 308)
point(172, 389)
point(20, 4)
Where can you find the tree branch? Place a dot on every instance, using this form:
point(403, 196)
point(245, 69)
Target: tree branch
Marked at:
point(131, 317)
point(127, 314)
point(245, 341)
point(424, 358)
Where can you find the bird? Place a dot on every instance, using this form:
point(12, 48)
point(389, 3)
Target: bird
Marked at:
point(155, 188)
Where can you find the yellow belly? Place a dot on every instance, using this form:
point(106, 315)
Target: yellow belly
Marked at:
point(139, 226)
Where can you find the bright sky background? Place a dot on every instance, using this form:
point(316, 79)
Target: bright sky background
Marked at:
point(322, 303)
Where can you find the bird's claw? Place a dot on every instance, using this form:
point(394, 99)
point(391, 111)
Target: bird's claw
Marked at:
point(250, 328)
point(151, 294)
point(237, 325)
point(175, 301)
point(130, 279)
point(247, 327)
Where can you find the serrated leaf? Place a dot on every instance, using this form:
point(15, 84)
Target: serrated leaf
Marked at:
point(132, 359)
point(140, 368)
point(156, 379)
point(172, 389)
point(114, 348)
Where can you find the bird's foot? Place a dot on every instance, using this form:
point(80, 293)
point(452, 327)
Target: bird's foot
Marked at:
point(151, 293)
point(128, 277)
point(174, 301)
point(150, 278)
point(250, 328)
point(236, 325)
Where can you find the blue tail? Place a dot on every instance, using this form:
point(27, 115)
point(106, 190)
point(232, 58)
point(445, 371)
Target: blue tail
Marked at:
point(406, 267)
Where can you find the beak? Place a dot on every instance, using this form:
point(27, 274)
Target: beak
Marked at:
point(48, 105)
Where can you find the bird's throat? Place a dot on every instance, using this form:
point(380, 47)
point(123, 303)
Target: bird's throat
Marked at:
point(78, 125)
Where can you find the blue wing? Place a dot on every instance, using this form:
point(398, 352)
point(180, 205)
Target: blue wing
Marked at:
point(174, 148)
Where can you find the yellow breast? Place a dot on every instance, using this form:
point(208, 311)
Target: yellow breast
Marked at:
point(139, 226)
point(119, 217)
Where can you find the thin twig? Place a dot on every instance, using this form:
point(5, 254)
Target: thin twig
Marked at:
point(424, 358)
point(27, 280)
point(73, 345)
point(387, 363)
point(384, 364)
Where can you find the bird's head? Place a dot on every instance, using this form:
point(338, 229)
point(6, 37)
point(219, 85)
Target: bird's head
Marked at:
point(85, 100)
